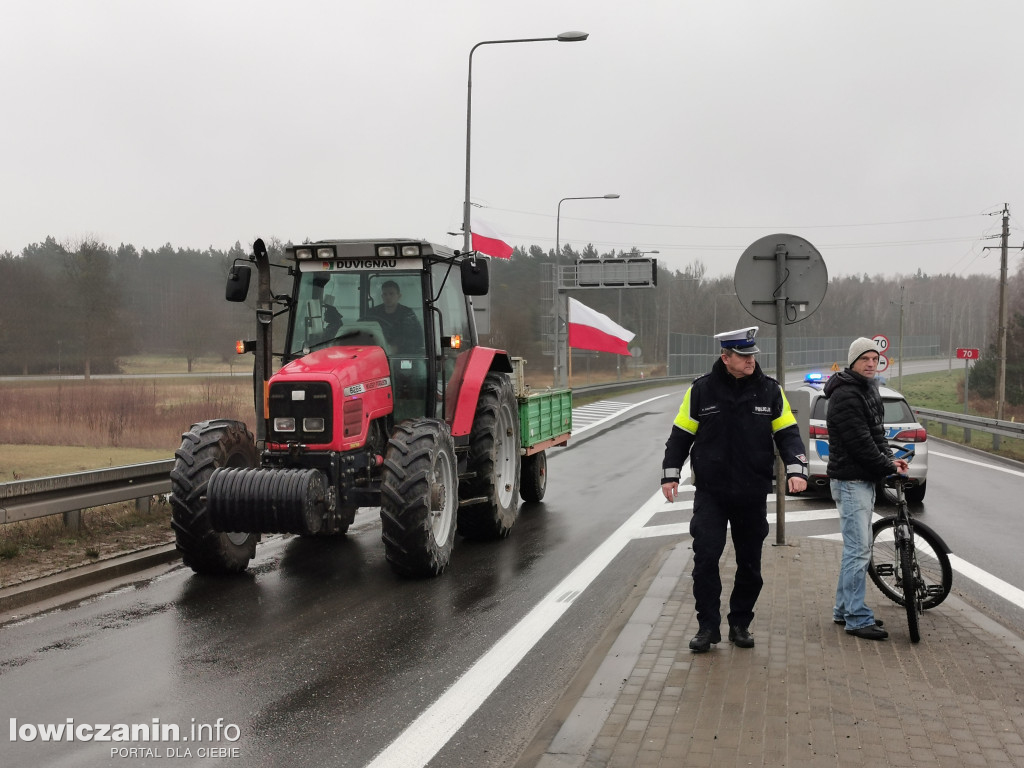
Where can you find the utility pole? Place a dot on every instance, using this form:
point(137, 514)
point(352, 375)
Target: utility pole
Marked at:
point(1004, 247)
point(1001, 376)
point(899, 347)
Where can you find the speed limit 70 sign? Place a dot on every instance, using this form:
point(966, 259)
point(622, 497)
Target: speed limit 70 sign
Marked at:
point(967, 354)
point(881, 342)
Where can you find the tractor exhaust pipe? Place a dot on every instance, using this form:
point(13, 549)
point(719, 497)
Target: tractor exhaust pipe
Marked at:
point(264, 338)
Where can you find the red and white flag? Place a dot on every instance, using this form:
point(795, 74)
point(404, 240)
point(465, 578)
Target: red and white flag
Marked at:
point(488, 242)
point(589, 329)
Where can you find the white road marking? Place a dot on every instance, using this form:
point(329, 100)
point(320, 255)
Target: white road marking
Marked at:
point(429, 732)
point(988, 581)
point(623, 409)
point(977, 463)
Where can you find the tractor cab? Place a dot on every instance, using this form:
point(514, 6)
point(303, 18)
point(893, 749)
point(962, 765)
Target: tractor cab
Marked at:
point(408, 298)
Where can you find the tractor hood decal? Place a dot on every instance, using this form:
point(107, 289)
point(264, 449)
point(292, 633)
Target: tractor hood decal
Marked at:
point(366, 386)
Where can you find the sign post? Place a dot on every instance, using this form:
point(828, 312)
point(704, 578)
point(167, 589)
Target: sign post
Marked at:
point(966, 355)
point(781, 279)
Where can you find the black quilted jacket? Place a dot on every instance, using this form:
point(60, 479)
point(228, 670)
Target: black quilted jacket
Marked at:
point(857, 448)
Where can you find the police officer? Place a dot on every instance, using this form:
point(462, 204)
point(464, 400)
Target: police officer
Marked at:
point(727, 424)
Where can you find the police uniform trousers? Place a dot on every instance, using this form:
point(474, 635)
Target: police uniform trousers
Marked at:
point(747, 518)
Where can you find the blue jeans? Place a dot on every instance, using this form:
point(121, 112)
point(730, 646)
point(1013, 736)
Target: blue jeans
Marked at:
point(855, 500)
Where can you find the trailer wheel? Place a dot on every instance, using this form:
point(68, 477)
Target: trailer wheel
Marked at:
point(534, 477)
point(490, 495)
point(205, 447)
point(419, 496)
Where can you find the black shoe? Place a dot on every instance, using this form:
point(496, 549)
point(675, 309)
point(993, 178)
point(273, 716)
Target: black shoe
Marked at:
point(702, 641)
point(740, 637)
point(878, 622)
point(870, 632)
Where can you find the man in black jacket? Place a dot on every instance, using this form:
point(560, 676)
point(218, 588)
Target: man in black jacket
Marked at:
point(729, 424)
point(402, 330)
point(859, 457)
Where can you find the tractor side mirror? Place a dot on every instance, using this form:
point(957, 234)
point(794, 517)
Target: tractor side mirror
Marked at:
point(238, 283)
point(475, 280)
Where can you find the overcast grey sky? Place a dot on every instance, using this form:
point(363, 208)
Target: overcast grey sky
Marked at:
point(884, 132)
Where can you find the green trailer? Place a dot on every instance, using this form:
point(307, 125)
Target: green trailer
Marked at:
point(545, 421)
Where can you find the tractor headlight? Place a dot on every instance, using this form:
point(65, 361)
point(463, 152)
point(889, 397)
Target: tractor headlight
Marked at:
point(313, 424)
point(284, 424)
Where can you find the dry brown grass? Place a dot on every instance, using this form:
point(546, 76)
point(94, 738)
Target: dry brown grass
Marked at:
point(148, 413)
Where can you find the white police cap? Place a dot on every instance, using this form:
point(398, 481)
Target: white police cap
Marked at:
point(740, 340)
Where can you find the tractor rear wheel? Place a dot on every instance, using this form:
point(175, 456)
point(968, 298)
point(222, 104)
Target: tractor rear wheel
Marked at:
point(490, 495)
point(205, 447)
point(419, 497)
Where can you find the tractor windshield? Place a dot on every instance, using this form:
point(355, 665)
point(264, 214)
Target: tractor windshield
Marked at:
point(350, 307)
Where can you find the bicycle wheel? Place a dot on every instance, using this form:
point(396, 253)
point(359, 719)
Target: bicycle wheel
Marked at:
point(933, 566)
point(909, 580)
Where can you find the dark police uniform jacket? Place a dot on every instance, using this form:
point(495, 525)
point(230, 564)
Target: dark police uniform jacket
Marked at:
point(729, 427)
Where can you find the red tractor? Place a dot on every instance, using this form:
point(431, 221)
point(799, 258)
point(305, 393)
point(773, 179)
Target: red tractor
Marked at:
point(383, 399)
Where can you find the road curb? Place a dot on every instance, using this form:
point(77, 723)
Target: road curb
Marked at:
point(31, 591)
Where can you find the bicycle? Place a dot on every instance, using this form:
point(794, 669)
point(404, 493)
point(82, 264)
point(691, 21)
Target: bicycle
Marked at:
point(909, 558)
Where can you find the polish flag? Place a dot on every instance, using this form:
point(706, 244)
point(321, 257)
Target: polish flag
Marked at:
point(589, 329)
point(488, 242)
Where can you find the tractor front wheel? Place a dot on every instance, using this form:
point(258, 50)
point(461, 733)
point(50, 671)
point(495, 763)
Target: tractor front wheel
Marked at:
point(205, 447)
point(419, 497)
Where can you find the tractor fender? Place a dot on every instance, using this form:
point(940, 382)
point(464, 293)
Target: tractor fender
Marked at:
point(464, 387)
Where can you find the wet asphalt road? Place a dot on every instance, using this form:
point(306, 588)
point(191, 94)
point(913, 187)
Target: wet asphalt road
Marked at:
point(321, 656)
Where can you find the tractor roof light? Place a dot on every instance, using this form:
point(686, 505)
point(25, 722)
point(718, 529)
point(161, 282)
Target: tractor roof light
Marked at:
point(385, 251)
point(326, 252)
point(303, 253)
point(411, 250)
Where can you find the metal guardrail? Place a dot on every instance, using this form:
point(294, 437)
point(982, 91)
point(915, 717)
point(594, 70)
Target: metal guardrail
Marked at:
point(27, 499)
point(994, 427)
point(68, 494)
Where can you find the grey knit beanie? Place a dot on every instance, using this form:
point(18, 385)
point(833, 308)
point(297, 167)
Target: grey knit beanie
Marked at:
point(858, 348)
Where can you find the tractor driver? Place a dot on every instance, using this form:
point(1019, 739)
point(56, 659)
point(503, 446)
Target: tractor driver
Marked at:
point(401, 328)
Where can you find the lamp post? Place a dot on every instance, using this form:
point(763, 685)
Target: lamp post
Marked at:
point(565, 37)
point(561, 355)
point(714, 322)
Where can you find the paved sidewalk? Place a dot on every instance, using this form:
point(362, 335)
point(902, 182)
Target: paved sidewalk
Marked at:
point(807, 694)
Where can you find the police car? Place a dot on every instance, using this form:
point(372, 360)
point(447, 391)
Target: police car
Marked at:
point(906, 437)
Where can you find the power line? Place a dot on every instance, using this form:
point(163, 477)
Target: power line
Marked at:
point(741, 226)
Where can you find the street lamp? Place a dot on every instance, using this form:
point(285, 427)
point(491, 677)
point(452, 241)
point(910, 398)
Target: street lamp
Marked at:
point(565, 37)
point(714, 322)
point(558, 351)
point(558, 217)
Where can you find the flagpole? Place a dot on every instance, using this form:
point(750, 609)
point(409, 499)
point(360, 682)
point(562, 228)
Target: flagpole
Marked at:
point(556, 289)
